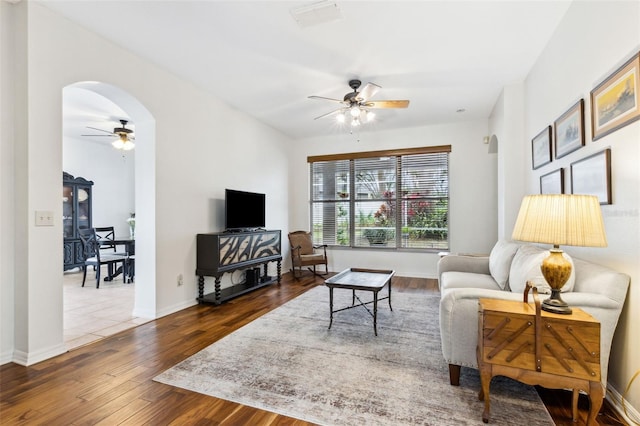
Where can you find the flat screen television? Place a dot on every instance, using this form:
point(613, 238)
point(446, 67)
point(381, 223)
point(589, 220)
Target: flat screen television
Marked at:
point(243, 210)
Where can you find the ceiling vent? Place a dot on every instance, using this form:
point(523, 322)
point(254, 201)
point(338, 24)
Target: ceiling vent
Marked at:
point(316, 13)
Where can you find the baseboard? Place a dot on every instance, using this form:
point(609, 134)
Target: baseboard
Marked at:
point(6, 357)
point(30, 358)
point(175, 308)
point(615, 399)
point(142, 313)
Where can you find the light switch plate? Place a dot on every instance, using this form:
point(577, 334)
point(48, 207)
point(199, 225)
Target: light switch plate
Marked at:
point(44, 218)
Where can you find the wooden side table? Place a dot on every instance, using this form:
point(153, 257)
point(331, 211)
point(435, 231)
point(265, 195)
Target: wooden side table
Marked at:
point(520, 341)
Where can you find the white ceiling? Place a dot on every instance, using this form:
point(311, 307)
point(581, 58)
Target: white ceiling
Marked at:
point(441, 55)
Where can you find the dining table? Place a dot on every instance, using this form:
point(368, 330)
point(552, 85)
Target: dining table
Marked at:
point(129, 244)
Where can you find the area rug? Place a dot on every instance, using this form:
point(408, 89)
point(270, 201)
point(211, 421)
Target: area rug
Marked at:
point(289, 363)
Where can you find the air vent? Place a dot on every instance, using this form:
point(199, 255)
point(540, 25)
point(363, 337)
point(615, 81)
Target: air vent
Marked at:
point(316, 13)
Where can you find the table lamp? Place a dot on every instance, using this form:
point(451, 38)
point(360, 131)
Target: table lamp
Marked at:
point(559, 219)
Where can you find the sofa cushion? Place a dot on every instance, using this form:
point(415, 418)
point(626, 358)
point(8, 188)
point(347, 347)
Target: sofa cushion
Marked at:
point(500, 261)
point(526, 267)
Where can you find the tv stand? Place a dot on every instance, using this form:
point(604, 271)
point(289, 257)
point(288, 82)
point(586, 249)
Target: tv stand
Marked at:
point(226, 251)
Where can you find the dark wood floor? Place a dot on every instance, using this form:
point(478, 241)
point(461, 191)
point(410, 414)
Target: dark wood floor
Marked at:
point(110, 381)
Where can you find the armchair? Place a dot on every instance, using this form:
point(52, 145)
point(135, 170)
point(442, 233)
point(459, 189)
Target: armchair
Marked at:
point(303, 253)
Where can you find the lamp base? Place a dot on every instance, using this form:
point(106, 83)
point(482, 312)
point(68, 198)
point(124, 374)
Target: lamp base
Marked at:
point(555, 304)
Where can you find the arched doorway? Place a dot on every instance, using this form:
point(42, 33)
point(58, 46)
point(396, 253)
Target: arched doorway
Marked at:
point(141, 168)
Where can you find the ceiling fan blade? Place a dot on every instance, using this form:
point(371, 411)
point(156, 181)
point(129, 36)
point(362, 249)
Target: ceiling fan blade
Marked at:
point(100, 130)
point(330, 113)
point(108, 136)
point(387, 104)
point(327, 99)
point(368, 91)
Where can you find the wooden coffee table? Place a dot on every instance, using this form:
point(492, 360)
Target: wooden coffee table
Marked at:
point(353, 279)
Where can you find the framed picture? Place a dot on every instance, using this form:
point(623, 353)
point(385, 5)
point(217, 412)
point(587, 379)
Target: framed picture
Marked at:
point(592, 175)
point(541, 148)
point(552, 183)
point(569, 130)
point(614, 103)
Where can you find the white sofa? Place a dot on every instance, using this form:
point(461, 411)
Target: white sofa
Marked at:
point(595, 289)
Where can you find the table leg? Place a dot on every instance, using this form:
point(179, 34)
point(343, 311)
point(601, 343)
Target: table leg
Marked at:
point(390, 294)
point(485, 381)
point(200, 286)
point(217, 290)
point(279, 267)
point(330, 307)
point(375, 312)
point(596, 394)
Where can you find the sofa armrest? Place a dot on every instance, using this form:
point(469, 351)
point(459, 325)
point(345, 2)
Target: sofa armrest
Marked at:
point(461, 263)
point(459, 322)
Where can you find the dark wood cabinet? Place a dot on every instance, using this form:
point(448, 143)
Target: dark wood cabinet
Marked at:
point(76, 214)
point(222, 252)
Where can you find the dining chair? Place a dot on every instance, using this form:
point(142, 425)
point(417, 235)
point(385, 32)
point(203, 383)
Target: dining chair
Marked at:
point(93, 257)
point(106, 236)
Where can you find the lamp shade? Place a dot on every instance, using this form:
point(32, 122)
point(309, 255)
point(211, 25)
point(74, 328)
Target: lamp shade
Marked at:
point(561, 219)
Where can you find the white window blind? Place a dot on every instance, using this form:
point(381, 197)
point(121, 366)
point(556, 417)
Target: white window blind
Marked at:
point(382, 199)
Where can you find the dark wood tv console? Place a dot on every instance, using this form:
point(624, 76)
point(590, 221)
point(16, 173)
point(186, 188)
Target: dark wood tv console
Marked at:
point(222, 252)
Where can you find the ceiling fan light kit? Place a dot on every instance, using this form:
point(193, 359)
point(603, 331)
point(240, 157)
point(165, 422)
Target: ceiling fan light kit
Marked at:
point(123, 142)
point(124, 139)
point(357, 104)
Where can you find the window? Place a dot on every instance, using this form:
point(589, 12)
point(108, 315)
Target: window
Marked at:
point(382, 199)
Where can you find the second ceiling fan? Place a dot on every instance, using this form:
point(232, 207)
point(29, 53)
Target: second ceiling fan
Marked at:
point(124, 136)
point(357, 105)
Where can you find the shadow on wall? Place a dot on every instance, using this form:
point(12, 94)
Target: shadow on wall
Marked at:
point(493, 145)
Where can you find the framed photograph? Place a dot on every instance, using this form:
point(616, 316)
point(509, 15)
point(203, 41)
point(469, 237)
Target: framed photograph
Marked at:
point(592, 175)
point(614, 103)
point(541, 148)
point(569, 130)
point(552, 183)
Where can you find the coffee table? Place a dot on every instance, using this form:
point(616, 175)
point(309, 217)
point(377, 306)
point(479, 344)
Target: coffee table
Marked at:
point(353, 279)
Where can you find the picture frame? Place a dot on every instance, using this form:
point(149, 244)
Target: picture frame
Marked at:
point(553, 182)
point(541, 148)
point(615, 102)
point(568, 130)
point(592, 175)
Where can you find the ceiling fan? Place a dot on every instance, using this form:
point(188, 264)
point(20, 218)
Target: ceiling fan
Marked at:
point(357, 105)
point(124, 135)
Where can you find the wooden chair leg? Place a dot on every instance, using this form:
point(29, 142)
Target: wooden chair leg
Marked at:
point(295, 275)
point(84, 274)
point(98, 277)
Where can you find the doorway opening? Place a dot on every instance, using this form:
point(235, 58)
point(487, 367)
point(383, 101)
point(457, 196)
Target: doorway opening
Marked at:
point(119, 178)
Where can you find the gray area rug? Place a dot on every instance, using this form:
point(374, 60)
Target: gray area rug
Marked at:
point(288, 362)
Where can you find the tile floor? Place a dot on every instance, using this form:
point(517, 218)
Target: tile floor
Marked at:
point(91, 314)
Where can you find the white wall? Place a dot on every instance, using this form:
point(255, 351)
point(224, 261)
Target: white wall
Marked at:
point(7, 221)
point(507, 124)
point(112, 172)
point(473, 221)
point(594, 39)
point(200, 147)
